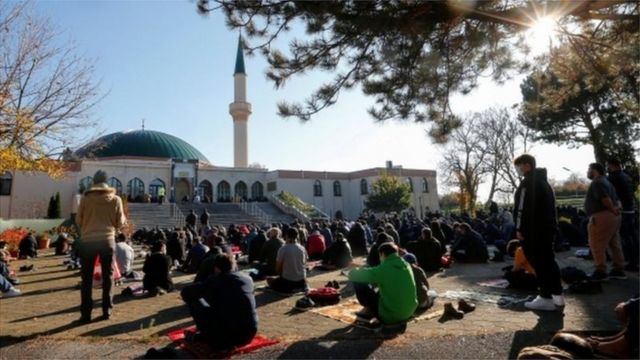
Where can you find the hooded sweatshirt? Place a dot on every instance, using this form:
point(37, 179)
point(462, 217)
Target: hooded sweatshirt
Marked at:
point(396, 285)
point(535, 206)
point(100, 214)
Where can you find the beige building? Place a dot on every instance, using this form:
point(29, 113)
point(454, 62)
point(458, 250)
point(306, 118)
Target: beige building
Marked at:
point(140, 162)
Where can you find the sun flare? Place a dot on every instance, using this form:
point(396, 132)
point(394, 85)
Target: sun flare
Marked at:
point(542, 32)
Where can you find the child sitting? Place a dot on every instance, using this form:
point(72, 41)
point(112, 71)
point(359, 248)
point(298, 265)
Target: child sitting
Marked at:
point(521, 275)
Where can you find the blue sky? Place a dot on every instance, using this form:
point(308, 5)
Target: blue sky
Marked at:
point(163, 62)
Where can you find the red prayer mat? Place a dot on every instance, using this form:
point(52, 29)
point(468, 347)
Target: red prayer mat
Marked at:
point(202, 351)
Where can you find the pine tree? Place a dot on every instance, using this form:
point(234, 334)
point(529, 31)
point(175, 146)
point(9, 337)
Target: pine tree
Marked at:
point(58, 207)
point(50, 208)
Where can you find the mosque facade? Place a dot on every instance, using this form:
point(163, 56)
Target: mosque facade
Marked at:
point(140, 162)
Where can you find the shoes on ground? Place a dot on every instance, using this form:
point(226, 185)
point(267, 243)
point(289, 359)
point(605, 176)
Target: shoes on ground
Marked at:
point(13, 292)
point(450, 311)
point(465, 307)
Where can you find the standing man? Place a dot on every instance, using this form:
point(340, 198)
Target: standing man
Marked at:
point(536, 226)
point(161, 193)
point(629, 227)
point(99, 216)
point(603, 208)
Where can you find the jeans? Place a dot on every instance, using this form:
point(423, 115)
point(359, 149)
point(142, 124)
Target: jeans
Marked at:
point(367, 297)
point(88, 252)
point(539, 252)
point(5, 285)
point(629, 237)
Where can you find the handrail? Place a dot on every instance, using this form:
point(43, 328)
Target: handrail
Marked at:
point(288, 209)
point(254, 210)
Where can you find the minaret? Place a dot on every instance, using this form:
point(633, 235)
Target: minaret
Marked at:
point(240, 110)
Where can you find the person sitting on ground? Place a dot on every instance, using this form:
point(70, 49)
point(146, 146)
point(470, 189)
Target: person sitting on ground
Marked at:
point(290, 265)
point(267, 261)
point(357, 240)
point(176, 248)
point(124, 256)
point(7, 288)
point(315, 245)
point(4, 264)
point(256, 245)
point(62, 244)
point(422, 284)
point(206, 266)
point(157, 279)
point(396, 300)
point(623, 345)
point(28, 246)
point(427, 250)
point(391, 231)
point(195, 256)
point(470, 246)
point(223, 307)
point(521, 275)
point(338, 255)
point(373, 259)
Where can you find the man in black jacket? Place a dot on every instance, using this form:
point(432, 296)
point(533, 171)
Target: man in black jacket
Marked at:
point(536, 227)
point(629, 227)
point(223, 307)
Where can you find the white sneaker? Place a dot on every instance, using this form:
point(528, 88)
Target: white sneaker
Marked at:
point(540, 303)
point(558, 300)
point(12, 293)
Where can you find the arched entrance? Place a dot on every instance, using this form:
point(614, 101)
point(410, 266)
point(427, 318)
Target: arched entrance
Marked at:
point(154, 186)
point(206, 191)
point(224, 191)
point(135, 190)
point(240, 192)
point(257, 191)
point(183, 190)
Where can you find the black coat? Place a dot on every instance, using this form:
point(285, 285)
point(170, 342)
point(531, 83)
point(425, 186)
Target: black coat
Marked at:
point(28, 246)
point(534, 209)
point(191, 220)
point(624, 188)
point(156, 272)
point(338, 254)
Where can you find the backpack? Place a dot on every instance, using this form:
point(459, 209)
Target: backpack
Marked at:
point(324, 296)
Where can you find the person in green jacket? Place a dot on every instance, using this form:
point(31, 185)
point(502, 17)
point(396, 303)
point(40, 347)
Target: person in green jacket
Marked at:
point(395, 301)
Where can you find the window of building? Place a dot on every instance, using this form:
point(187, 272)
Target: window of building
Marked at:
point(272, 186)
point(116, 184)
point(240, 190)
point(257, 191)
point(425, 185)
point(85, 183)
point(205, 189)
point(317, 188)
point(6, 181)
point(224, 191)
point(337, 188)
point(135, 189)
point(364, 187)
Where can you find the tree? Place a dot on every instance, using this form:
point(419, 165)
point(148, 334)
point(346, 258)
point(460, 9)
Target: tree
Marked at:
point(464, 162)
point(389, 194)
point(410, 56)
point(51, 208)
point(501, 138)
point(586, 92)
point(449, 201)
point(46, 93)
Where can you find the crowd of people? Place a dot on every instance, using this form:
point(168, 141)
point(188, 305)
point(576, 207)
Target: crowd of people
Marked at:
point(400, 252)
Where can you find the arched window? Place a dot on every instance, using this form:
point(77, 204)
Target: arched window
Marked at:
point(6, 180)
point(116, 184)
point(224, 191)
point(257, 191)
point(205, 189)
point(425, 185)
point(317, 188)
point(410, 183)
point(85, 183)
point(135, 189)
point(240, 190)
point(364, 187)
point(154, 186)
point(337, 188)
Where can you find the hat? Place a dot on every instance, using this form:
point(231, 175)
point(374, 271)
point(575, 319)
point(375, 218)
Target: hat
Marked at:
point(99, 177)
point(410, 258)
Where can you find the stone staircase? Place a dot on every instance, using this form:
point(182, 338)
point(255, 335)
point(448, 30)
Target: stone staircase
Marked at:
point(221, 213)
point(151, 215)
point(275, 215)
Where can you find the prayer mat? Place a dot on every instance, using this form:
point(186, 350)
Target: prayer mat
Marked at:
point(346, 313)
point(202, 350)
point(495, 283)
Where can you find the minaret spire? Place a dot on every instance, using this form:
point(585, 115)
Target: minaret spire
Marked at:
point(240, 110)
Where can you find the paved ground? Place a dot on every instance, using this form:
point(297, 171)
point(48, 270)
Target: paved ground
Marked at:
point(39, 324)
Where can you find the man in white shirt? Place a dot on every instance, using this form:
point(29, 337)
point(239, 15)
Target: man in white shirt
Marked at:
point(124, 256)
point(290, 265)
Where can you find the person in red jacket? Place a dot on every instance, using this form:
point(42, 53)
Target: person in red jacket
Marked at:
point(315, 245)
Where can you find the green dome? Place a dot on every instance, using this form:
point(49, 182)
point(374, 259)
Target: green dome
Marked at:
point(143, 143)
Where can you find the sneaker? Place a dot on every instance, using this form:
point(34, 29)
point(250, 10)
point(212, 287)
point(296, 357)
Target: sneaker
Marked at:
point(13, 292)
point(465, 307)
point(450, 311)
point(558, 300)
point(599, 276)
point(617, 274)
point(540, 303)
point(364, 315)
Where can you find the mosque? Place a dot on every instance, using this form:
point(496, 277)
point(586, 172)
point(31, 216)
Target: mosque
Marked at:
point(140, 162)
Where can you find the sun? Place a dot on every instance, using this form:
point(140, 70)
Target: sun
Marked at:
point(541, 33)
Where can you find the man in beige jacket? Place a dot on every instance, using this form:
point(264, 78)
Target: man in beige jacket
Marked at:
point(100, 215)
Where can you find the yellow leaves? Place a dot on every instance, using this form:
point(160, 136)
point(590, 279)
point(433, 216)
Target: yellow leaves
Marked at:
point(12, 160)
